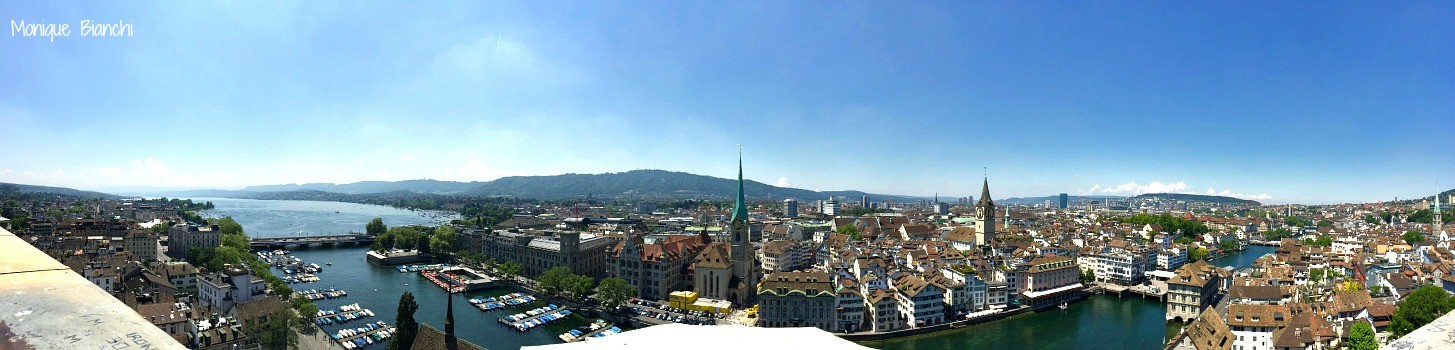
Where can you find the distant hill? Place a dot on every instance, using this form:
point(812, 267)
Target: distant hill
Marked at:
point(1198, 198)
point(416, 186)
point(10, 188)
point(659, 184)
point(1053, 199)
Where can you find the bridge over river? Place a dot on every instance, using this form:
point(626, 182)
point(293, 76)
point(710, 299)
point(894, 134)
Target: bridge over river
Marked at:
point(324, 241)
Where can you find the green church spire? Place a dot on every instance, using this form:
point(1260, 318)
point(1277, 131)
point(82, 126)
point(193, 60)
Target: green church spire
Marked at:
point(740, 211)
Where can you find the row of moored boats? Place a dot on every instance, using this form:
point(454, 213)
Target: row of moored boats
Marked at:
point(359, 337)
point(501, 302)
point(535, 317)
point(320, 294)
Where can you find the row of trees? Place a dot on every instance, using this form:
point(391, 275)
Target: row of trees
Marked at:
point(612, 291)
point(1168, 223)
point(429, 241)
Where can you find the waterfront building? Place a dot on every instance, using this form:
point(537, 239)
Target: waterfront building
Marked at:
point(965, 290)
point(798, 299)
point(221, 291)
point(540, 250)
point(790, 208)
point(656, 270)
point(985, 216)
point(1122, 263)
point(1192, 290)
point(850, 307)
point(727, 270)
point(1171, 258)
point(883, 309)
point(183, 237)
point(921, 302)
point(1051, 280)
point(1253, 326)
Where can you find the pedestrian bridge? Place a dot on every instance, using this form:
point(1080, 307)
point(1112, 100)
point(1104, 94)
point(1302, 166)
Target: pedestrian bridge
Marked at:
point(325, 241)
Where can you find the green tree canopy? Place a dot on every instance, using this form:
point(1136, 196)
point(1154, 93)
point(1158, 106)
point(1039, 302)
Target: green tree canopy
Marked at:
point(1413, 237)
point(580, 285)
point(613, 291)
point(849, 230)
point(1361, 337)
point(1197, 253)
point(1419, 308)
point(556, 279)
point(1277, 234)
point(376, 227)
point(404, 321)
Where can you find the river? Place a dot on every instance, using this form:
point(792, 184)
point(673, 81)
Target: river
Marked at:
point(373, 287)
point(1099, 322)
point(272, 218)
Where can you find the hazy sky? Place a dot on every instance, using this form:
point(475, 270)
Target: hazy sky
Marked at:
point(1276, 101)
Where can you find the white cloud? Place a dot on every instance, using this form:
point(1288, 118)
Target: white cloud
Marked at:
point(57, 174)
point(782, 182)
point(5, 171)
point(1133, 188)
point(149, 168)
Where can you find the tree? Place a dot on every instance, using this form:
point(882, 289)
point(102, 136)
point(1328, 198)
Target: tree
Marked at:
point(376, 227)
point(580, 285)
point(1183, 240)
point(1087, 276)
point(444, 240)
point(1197, 253)
point(1412, 237)
point(1371, 219)
point(226, 225)
point(1326, 223)
point(1361, 337)
point(849, 230)
point(613, 291)
point(277, 332)
point(1277, 234)
point(1227, 244)
point(555, 279)
point(406, 326)
point(421, 243)
point(511, 268)
point(1419, 308)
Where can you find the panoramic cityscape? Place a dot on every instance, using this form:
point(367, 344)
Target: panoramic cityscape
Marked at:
point(666, 175)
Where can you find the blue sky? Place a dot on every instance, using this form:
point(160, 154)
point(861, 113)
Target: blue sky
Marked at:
point(1281, 102)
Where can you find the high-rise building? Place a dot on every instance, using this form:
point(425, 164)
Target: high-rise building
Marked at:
point(790, 207)
point(1064, 197)
point(830, 207)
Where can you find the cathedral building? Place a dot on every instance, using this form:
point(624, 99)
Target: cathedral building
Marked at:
point(729, 270)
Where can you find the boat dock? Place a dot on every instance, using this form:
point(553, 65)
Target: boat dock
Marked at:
point(363, 336)
point(534, 318)
point(1160, 294)
point(599, 328)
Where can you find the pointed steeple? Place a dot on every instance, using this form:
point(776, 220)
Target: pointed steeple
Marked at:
point(985, 193)
point(740, 211)
point(451, 342)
